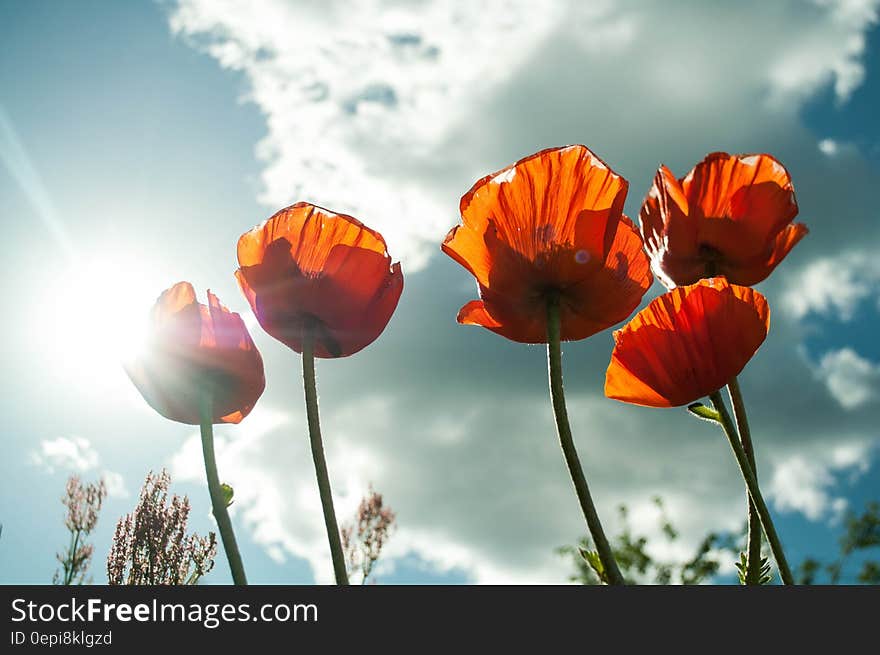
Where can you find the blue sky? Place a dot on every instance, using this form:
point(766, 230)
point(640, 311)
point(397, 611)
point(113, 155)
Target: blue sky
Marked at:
point(138, 141)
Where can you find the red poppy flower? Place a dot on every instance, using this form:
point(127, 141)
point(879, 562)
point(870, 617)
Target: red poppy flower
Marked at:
point(550, 225)
point(193, 349)
point(731, 215)
point(308, 268)
point(686, 344)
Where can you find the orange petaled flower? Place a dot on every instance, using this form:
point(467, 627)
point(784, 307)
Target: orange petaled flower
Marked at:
point(194, 349)
point(731, 215)
point(551, 225)
point(307, 268)
point(687, 344)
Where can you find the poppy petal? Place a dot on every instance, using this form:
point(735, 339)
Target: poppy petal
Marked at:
point(666, 208)
point(193, 349)
point(785, 241)
point(498, 313)
point(365, 293)
point(177, 318)
point(745, 200)
point(311, 233)
point(173, 300)
point(310, 267)
point(724, 218)
point(686, 344)
point(468, 248)
point(474, 313)
point(234, 418)
point(762, 182)
point(537, 202)
point(670, 236)
point(613, 292)
point(220, 327)
point(551, 224)
point(782, 245)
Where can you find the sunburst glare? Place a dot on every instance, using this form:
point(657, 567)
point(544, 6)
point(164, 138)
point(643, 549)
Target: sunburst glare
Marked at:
point(93, 318)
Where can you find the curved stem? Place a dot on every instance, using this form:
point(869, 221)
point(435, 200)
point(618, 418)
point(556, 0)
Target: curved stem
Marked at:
point(311, 392)
point(752, 485)
point(753, 561)
point(557, 396)
point(218, 501)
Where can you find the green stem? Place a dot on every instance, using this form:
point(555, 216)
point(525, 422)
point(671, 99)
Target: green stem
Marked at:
point(752, 485)
point(753, 558)
point(218, 500)
point(69, 570)
point(557, 395)
point(311, 392)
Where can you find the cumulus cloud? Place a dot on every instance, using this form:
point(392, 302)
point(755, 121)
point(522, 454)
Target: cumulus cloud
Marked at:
point(76, 455)
point(807, 485)
point(390, 111)
point(488, 494)
point(363, 94)
point(497, 513)
point(458, 436)
point(371, 106)
point(829, 49)
point(835, 285)
point(70, 453)
point(851, 379)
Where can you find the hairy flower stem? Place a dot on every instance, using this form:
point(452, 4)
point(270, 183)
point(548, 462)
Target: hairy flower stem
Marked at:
point(752, 485)
point(218, 500)
point(753, 558)
point(557, 395)
point(311, 391)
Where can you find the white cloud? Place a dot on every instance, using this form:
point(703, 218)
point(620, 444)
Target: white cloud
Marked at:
point(484, 494)
point(801, 485)
point(828, 147)
point(805, 483)
point(356, 94)
point(391, 115)
point(834, 285)
point(829, 49)
point(498, 513)
point(645, 519)
point(851, 379)
point(834, 148)
point(854, 456)
point(69, 453)
point(372, 107)
point(76, 454)
point(115, 484)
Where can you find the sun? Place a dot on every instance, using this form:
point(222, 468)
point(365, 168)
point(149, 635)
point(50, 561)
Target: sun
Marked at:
point(94, 316)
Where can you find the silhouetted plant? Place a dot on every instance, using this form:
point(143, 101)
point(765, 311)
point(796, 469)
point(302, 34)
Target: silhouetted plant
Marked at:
point(151, 545)
point(861, 536)
point(83, 503)
point(365, 536)
point(639, 566)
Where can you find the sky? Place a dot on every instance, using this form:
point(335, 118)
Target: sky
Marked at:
point(138, 140)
